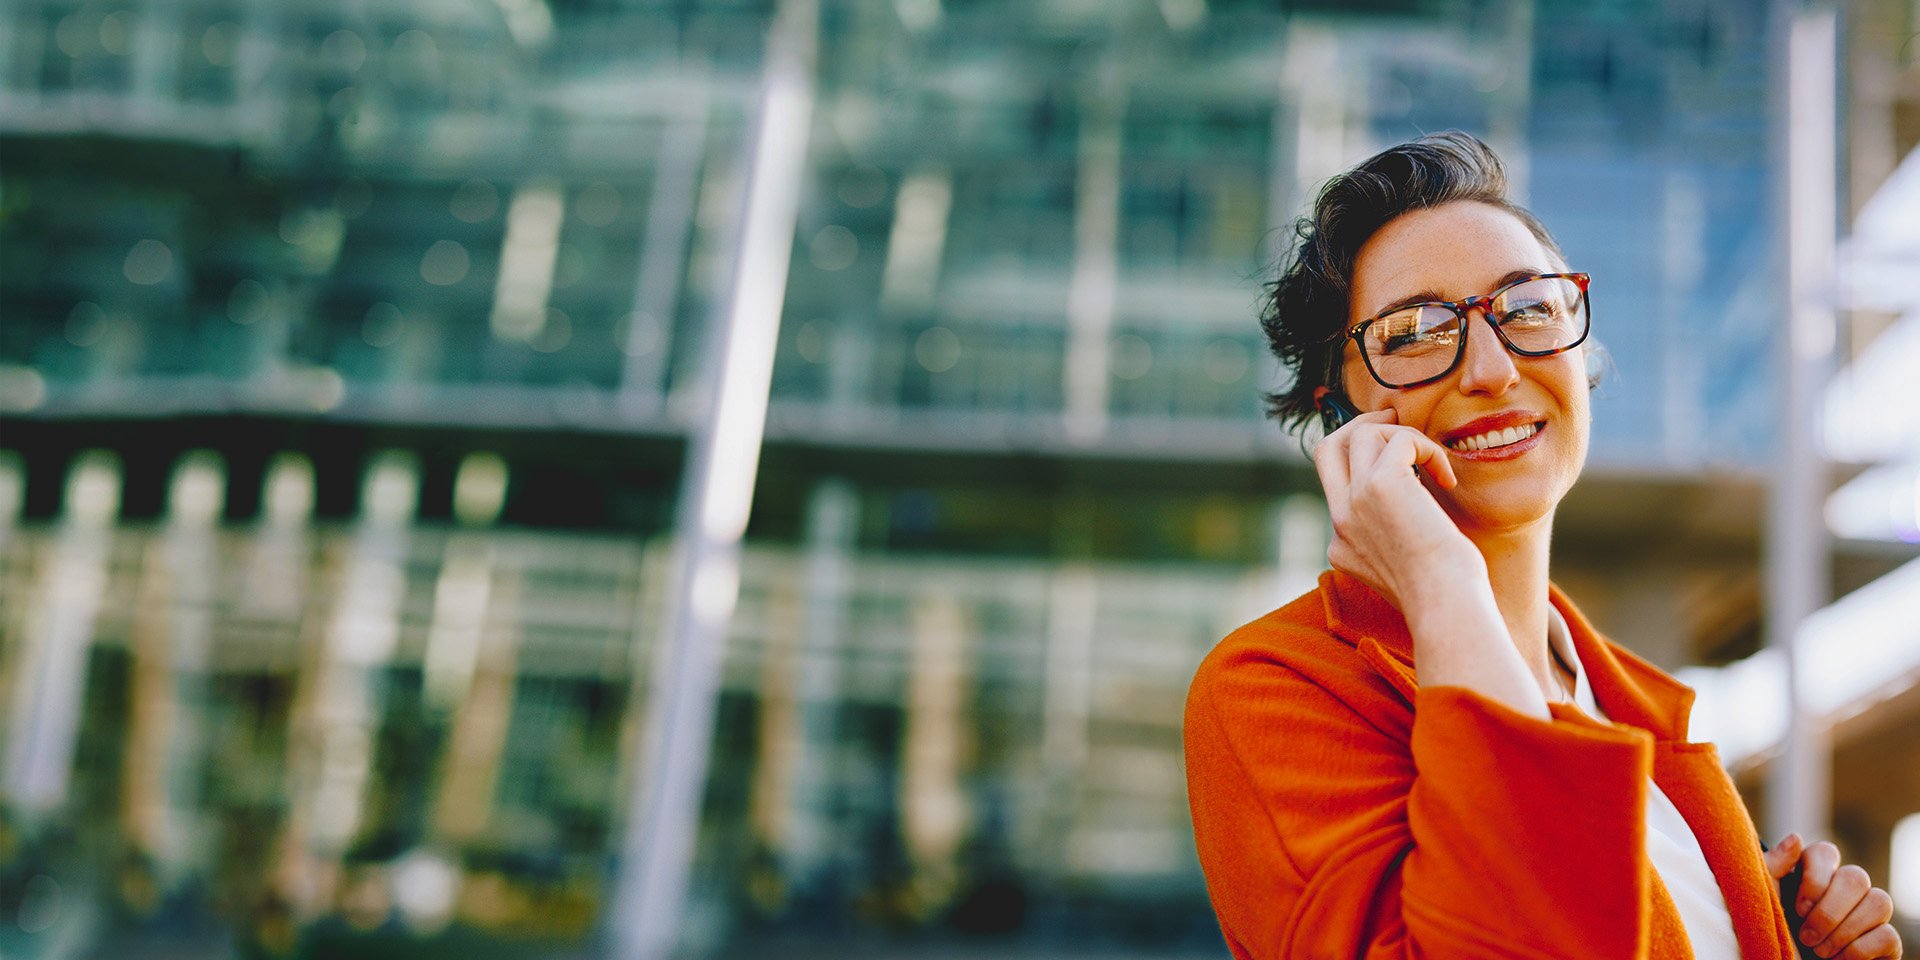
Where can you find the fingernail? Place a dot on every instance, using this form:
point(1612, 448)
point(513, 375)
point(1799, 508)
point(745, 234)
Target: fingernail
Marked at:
point(1791, 840)
point(1807, 937)
point(1803, 906)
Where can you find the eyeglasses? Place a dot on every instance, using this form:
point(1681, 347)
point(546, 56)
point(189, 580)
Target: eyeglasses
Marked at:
point(1535, 316)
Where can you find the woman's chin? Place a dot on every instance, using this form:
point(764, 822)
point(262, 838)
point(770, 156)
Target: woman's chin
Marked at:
point(1489, 510)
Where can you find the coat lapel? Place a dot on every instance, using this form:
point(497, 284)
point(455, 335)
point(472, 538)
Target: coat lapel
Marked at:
point(1691, 776)
point(1630, 691)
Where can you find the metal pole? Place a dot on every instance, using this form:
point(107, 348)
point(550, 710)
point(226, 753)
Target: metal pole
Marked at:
point(50, 669)
point(1096, 229)
point(833, 519)
point(1797, 563)
point(716, 493)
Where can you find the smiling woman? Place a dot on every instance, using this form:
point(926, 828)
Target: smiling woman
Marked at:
point(1434, 754)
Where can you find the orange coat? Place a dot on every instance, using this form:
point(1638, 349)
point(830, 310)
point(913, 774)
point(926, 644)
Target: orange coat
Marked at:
point(1343, 811)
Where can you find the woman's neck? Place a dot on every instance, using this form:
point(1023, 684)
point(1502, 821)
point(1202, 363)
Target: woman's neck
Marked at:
point(1517, 569)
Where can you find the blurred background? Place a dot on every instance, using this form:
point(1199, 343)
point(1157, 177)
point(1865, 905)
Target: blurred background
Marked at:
point(382, 566)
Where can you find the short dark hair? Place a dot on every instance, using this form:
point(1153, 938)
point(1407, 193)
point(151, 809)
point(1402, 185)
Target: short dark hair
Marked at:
point(1305, 311)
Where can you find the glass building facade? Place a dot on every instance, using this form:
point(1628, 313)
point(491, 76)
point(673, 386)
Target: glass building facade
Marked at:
point(1016, 213)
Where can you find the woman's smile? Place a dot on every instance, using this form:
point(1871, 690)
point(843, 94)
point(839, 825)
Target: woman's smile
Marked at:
point(1505, 444)
point(1494, 430)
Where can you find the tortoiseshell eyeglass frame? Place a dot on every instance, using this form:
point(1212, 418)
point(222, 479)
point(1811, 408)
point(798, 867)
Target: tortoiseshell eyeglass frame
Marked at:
point(1463, 309)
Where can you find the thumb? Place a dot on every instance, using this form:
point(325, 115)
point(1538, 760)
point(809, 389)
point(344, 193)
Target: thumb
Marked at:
point(1783, 856)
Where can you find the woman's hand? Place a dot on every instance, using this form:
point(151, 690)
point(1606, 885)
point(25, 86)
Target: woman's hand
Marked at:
point(1845, 915)
point(1388, 530)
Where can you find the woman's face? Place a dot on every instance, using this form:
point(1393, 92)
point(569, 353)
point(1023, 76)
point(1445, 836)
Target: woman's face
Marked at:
point(1453, 252)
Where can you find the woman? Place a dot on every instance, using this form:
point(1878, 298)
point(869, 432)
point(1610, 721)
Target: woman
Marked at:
point(1530, 791)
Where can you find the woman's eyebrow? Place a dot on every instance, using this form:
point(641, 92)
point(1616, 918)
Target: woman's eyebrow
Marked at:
point(1430, 296)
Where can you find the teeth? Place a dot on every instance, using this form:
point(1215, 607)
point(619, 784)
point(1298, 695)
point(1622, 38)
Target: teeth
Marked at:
point(1495, 438)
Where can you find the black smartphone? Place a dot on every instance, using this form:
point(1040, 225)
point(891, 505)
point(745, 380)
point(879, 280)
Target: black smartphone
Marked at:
point(1790, 892)
point(1335, 404)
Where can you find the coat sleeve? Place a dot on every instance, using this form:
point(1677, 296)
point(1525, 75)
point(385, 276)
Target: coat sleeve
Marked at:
point(1484, 834)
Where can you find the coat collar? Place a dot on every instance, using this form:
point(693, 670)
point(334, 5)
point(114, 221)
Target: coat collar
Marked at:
point(1629, 689)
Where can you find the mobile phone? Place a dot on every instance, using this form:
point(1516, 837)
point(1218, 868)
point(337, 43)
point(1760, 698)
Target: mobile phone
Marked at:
point(1789, 892)
point(1334, 404)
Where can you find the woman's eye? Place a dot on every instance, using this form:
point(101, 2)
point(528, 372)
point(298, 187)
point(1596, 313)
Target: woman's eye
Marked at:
point(1530, 313)
point(1394, 332)
point(1413, 336)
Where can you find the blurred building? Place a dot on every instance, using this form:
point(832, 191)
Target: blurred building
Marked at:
point(349, 354)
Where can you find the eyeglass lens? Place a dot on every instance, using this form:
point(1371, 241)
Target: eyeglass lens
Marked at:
point(1421, 342)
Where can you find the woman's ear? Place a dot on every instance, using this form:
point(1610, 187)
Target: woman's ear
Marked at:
point(1597, 361)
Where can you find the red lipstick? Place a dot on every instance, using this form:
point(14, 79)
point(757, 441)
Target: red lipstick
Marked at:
point(1498, 421)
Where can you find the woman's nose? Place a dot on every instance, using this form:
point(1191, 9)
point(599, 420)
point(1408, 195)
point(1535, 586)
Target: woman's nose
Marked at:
point(1488, 367)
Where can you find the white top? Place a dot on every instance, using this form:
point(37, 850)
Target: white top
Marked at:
point(1671, 846)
